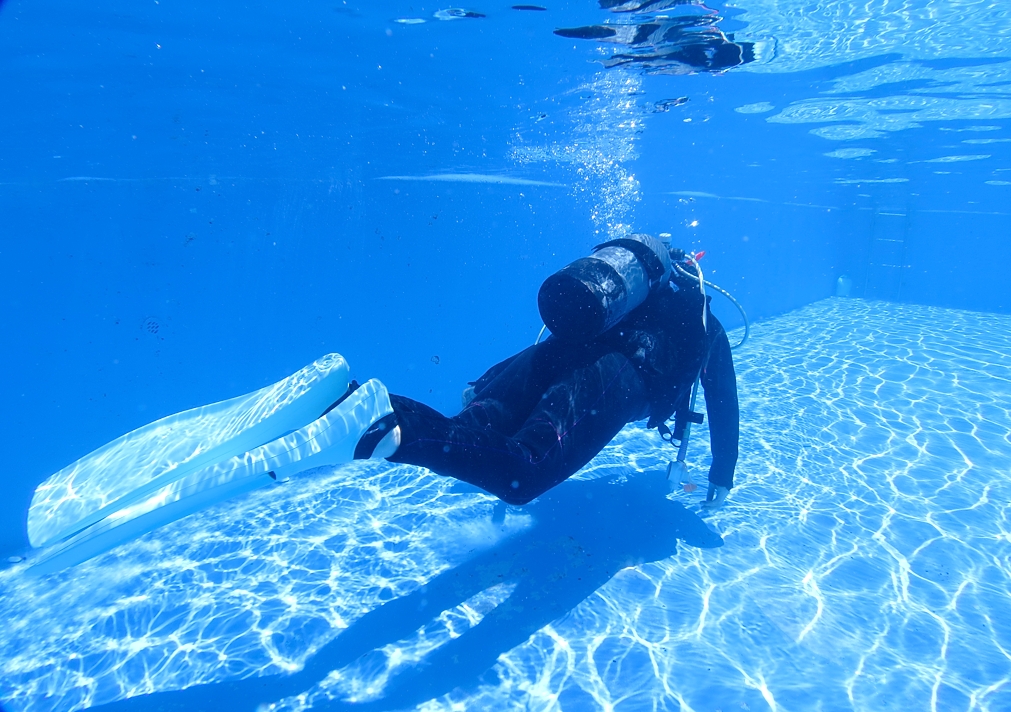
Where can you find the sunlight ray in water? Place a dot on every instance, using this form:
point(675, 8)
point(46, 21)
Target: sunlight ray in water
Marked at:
point(474, 178)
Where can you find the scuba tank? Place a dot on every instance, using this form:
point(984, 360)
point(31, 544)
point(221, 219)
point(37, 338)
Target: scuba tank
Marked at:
point(589, 296)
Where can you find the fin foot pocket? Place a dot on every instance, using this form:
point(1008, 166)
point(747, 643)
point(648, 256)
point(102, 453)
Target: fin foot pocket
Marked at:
point(371, 438)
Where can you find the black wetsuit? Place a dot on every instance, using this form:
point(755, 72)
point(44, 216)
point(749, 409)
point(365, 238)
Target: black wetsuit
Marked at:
point(541, 415)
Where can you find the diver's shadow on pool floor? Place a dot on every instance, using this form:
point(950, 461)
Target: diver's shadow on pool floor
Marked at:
point(583, 533)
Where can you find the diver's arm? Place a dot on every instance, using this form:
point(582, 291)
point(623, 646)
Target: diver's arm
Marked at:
point(720, 384)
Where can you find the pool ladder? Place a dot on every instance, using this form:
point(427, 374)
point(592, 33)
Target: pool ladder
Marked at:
point(887, 264)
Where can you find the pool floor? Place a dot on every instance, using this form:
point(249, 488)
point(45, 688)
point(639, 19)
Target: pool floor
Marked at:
point(863, 562)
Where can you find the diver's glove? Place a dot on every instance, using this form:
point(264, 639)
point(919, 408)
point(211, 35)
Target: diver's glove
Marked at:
point(716, 496)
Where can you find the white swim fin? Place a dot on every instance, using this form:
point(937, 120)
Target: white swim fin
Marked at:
point(139, 463)
point(328, 440)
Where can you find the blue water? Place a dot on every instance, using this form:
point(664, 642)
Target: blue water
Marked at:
point(197, 201)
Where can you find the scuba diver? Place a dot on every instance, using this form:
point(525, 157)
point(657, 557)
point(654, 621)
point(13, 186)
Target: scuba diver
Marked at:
point(631, 331)
point(632, 336)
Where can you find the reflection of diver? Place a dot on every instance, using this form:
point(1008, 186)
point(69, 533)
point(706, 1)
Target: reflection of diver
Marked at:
point(631, 333)
point(675, 45)
point(643, 5)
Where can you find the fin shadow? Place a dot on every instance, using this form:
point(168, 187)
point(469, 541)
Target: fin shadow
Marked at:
point(583, 534)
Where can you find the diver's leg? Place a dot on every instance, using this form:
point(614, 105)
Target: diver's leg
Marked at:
point(506, 395)
point(571, 421)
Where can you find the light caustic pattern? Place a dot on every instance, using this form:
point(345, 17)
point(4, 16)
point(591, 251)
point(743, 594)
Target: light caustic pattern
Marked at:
point(975, 93)
point(831, 32)
point(866, 563)
point(252, 587)
point(904, 94)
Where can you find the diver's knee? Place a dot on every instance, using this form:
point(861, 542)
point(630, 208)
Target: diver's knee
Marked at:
point(517, 495)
